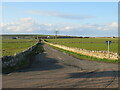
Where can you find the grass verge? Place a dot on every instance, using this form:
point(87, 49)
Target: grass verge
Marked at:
point(80, 56)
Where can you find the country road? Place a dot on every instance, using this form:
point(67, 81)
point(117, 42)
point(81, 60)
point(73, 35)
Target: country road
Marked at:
point(54, 69)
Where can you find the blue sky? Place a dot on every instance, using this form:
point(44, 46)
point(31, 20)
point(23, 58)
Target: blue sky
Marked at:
point(69, 18)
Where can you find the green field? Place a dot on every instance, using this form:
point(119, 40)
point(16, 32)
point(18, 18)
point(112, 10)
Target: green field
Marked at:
point(88, 43)
point(13, 46)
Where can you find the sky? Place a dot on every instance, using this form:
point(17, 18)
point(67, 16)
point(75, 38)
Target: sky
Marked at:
point(68, 18)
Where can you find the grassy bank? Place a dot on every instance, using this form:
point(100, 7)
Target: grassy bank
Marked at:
point(84, 57)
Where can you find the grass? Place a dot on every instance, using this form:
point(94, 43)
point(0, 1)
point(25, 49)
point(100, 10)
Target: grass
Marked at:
point(12, 46)
point(84, 57)
point(98, 44)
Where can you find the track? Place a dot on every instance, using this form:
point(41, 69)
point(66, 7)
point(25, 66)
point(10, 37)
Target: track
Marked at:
point(54, 69)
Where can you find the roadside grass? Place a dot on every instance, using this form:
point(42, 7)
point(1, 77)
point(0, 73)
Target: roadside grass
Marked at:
point(84, 57)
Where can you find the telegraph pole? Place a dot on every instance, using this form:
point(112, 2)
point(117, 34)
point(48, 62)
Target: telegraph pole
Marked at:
point(37, 36)
point(108, 49)
point(56, 32)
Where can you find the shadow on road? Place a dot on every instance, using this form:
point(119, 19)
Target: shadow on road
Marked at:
point(42, 62)
point(95, 74)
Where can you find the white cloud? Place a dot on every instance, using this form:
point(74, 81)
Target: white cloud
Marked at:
point(1, 6)
point(22, 25)
point(114, 24)
point(61, 15)
point(28, 25)
point(110, 26)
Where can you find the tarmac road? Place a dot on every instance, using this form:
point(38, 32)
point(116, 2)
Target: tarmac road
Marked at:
point(54, 69)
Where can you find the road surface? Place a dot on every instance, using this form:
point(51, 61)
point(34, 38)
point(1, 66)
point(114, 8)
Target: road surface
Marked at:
point(54, 69)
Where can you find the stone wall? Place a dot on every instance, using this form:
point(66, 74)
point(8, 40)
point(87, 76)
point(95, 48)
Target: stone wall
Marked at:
point(98, 54)
point(20, 60)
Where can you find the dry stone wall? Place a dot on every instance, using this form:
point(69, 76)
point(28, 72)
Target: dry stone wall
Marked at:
point(98, 54)
point(19, 59)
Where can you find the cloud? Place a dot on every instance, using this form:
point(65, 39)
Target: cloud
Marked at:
point(107, 27)
point(2, 6)
point(29, 25)
point(61, 15)
point(22, 25)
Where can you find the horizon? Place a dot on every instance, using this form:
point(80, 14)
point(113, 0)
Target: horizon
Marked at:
point(50, 35)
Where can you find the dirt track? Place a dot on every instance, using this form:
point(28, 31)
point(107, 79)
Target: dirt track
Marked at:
point(54, 69)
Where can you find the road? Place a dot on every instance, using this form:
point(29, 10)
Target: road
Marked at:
point(54, 69)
